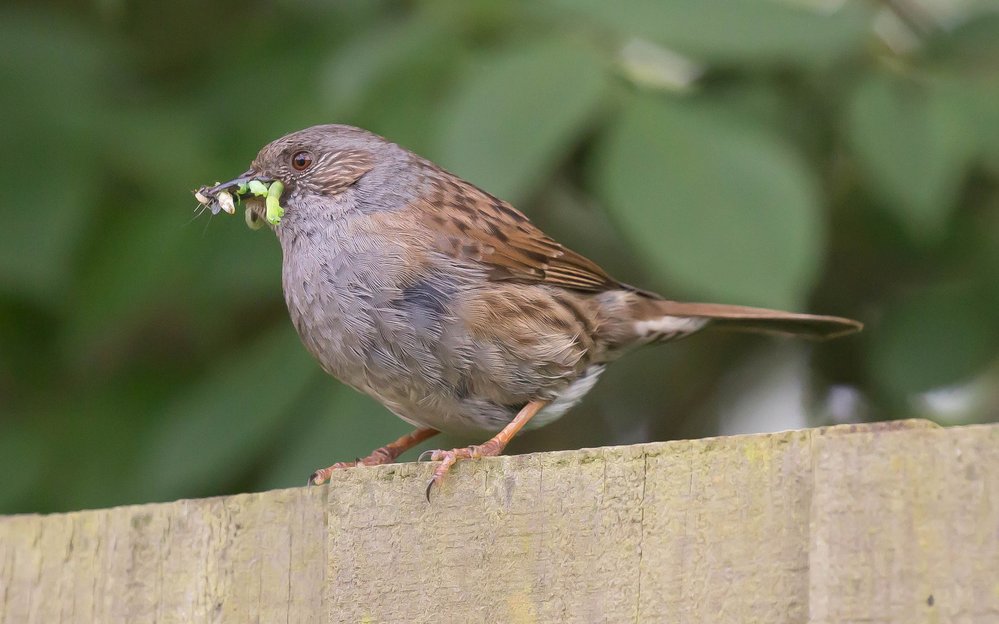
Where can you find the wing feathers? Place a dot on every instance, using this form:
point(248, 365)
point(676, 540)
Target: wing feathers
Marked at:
point(481, 227)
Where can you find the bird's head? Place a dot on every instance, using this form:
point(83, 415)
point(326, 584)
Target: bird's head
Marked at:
point(306, 174)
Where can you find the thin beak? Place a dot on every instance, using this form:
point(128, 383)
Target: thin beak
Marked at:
point(236, 183)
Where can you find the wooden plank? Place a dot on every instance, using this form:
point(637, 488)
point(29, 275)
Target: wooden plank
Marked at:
point(905, 528)
point(838, 525)
point(233, 559)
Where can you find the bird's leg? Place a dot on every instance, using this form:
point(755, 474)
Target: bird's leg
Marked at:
point(492, 447)
point(383, 455)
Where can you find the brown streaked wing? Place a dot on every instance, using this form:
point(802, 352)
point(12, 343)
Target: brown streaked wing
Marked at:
point(473, 224)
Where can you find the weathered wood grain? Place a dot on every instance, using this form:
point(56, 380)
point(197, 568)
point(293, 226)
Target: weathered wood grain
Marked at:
point(913, 536)
point(844, 524)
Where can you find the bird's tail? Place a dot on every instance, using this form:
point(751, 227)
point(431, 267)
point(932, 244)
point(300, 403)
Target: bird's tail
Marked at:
point(631, 319)
point(761, 320)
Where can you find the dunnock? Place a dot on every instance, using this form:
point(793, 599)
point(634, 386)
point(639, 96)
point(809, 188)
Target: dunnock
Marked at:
point(445, 303)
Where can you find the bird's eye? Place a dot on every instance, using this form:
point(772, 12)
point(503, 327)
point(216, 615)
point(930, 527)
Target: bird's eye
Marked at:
point(301, 160)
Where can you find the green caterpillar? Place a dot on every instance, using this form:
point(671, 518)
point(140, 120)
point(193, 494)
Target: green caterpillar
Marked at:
point(224, 199)
point(274, 209)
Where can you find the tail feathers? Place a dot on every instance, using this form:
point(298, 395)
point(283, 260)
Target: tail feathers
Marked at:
point(759, 320)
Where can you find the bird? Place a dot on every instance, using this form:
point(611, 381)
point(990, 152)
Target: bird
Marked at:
point(446, 304)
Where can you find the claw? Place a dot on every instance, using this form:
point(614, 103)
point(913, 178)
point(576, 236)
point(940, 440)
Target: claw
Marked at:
point(448, 459)
point(320, 477)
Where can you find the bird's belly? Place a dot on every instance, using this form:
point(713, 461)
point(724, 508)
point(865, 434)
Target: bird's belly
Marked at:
point(474, 417)
point(426, 387)
point(405, 343)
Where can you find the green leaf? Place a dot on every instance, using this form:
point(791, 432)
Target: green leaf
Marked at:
point(736, 33)
point(406, 107)
point(215, 429)
point(983, 102)
point(971, 48)
point(390, 79)
point(358, 67)
point(967, 58)
point(914, 144)
point(934, 338)
point(718, 206)
point(512, 119)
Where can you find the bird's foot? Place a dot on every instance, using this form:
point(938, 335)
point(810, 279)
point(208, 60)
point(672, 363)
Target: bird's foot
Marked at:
point(492, 447)
point(377, 458)
point(447, 459)
point(384, 455)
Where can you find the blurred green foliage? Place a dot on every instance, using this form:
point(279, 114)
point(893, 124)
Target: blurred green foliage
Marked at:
point(826, 155)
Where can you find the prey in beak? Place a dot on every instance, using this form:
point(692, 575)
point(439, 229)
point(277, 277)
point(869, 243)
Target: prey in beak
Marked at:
point(223, 197)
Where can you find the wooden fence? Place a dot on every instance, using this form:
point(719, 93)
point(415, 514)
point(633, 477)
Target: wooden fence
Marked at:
point(894, 522)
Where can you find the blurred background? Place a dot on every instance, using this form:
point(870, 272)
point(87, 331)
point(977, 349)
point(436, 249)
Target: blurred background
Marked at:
point(832, 156)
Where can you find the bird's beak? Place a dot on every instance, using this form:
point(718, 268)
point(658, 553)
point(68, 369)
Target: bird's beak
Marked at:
point(235, 183)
